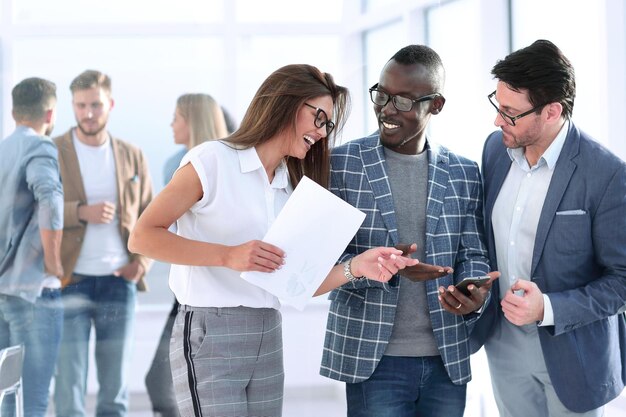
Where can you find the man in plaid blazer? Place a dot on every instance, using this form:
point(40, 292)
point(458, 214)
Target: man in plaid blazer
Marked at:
point(402, 346)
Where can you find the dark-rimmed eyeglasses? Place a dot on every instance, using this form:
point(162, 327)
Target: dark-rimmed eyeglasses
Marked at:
point(321, 119)
point(510, 120)
point(380, 98)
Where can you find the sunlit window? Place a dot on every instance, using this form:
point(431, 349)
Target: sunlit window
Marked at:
point(145, 85)
point(373, 5)
point(585, 47)
point(118, 11)
point(253, 65)
point(466, 119)
point(380, 45)
point(289, 11)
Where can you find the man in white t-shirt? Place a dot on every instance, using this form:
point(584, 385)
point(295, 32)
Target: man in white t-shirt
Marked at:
point(107, 186)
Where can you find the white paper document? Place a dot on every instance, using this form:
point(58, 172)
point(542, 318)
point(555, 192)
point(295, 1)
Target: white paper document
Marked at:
point(313, 228)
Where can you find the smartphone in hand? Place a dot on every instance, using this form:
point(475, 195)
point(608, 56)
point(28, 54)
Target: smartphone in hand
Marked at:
point(478, 281)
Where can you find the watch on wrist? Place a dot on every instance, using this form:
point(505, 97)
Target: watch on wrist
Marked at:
point(347, 272)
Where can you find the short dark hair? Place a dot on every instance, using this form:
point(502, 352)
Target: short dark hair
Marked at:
point(90, 79)
point(544, 71)
point(426, 56)
point(32, 97)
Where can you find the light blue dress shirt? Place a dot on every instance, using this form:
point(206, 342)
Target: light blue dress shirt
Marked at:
point(516, 215)
point(31, 199)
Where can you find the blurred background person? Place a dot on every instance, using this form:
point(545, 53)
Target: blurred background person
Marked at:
point(106, 186)
point(197, 118)
point(31, 226)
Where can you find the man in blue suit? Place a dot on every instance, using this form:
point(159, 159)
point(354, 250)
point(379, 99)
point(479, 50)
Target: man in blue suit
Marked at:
point(402, 347)
point(555, 222)
point(31, 226)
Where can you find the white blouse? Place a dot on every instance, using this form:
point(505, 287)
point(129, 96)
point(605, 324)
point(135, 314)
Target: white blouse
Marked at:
point(239, 204)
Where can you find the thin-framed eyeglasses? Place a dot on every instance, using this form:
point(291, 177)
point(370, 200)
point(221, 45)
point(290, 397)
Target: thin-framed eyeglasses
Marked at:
point(321, 119)
point(380, 98)
point(510, 120)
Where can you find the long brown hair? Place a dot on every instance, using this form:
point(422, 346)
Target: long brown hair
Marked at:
point(275, 106)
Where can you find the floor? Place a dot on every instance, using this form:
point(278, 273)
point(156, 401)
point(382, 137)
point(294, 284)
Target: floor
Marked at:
point(332, 404)
point(297, 403)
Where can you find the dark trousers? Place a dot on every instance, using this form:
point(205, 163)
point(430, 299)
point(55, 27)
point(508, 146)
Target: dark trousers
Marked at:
point(159, 377)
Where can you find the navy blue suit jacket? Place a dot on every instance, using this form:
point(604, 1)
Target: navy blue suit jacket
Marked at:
point(579, 261)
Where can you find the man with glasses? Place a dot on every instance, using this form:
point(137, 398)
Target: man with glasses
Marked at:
point(402, 347)
point(555, 222)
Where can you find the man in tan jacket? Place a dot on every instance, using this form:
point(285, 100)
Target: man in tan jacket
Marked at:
point(106, 186)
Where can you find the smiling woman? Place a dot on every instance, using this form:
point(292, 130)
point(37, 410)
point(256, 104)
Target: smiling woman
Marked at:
point(284, 135)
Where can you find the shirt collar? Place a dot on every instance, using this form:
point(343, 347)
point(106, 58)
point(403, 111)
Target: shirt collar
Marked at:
point(26, 130)
point(249, 161)
point(549, 157)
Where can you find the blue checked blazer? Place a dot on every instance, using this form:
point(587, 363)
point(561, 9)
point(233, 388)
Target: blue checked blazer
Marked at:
point(361, 314)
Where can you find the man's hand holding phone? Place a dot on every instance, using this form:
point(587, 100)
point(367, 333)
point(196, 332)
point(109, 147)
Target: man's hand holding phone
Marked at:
point(477, 281)
point(468, 295)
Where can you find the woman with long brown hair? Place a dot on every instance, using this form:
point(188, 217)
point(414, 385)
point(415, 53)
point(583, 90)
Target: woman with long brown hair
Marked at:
point(226, 351)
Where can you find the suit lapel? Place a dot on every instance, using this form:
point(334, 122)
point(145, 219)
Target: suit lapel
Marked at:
point(438, 178)
point(70, 160)
point(563, 171)
point(492, 189)
point(119, 175)
point(373, 158)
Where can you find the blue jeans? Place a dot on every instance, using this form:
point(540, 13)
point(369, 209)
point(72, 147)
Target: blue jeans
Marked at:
point(38, 327)
point(107, 303)
point(407, 387)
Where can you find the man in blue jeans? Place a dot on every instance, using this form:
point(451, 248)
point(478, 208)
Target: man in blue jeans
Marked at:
point(31, 223)
point(106, 187)
point(402, 347)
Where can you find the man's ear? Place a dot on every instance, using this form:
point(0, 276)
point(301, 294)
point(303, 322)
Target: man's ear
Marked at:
point(49, 116)
point(437, 105)
point(555, 110)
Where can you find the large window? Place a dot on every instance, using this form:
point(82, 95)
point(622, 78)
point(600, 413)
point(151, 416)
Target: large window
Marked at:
point(155, 52)
point(37, 12)
point(467, 117)
point(145, 86)
point(562, 22)
point(379, 45)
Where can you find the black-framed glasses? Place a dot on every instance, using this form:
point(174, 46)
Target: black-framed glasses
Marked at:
point(510, 120)
point(321, 119)
point(381, 98)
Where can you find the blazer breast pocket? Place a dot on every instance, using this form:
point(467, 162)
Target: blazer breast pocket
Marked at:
point(132, 191)
point(571, 231)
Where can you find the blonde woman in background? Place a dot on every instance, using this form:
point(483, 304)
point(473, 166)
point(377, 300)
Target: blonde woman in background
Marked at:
point(197, 118)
